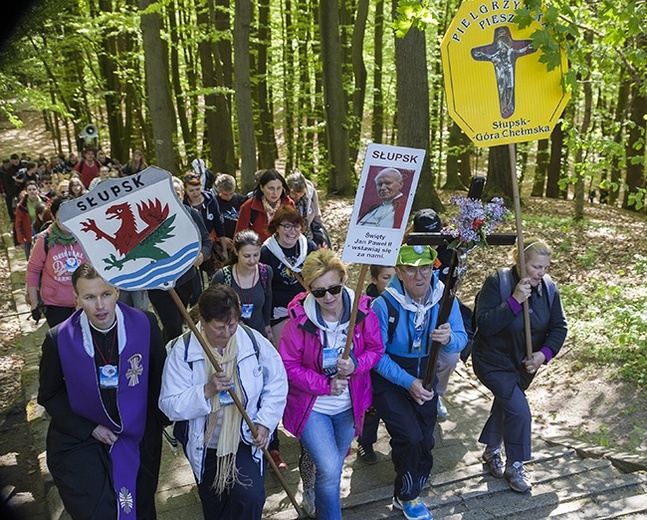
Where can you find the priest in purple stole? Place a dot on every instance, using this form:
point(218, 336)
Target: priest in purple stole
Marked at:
point(100, 377)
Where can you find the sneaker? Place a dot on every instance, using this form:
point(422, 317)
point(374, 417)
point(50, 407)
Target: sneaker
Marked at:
point(309, 502)
point(367, 454)
point(413, 509)
point(280, 463)
point(494, 462)
point(517, 477)
point(441, 410)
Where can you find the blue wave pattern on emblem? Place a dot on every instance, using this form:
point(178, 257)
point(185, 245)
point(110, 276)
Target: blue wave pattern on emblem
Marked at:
point(159, 274)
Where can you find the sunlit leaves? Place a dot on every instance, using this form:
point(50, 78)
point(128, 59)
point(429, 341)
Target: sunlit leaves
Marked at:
point(414, 13)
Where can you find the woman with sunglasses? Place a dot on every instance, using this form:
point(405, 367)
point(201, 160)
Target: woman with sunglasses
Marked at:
point(271, 192)
point(328, 395)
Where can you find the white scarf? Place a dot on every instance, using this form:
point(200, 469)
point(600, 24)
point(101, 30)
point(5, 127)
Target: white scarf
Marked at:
point(432, 297)
point(88, 345)
point(227, 474)
point(275, 248)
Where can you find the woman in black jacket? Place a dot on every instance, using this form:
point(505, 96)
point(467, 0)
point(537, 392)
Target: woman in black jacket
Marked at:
point(499, 355)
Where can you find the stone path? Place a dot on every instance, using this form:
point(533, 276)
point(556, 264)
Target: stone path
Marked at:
point(568, 482)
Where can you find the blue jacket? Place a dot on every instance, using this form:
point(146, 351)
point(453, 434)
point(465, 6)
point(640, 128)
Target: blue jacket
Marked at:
point(400, 348)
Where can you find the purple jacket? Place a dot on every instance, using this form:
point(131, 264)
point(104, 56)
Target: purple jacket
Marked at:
point(301, 351)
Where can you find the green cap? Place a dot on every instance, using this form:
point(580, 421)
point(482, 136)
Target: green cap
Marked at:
point(416, 255)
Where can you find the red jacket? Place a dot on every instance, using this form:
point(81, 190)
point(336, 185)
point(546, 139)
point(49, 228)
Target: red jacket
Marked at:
point(23, 223)
point(301, 351)
point(254, 206)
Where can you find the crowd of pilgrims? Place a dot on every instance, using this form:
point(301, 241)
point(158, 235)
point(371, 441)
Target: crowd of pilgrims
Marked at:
point(267, 283)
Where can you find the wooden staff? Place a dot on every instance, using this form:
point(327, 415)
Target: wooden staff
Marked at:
point(353, 314)
point(237, 402)
point(449, 293)
point(521, 264)
point(445, 310)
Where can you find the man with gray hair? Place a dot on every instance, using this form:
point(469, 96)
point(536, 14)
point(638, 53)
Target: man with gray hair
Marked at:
point(390, 211)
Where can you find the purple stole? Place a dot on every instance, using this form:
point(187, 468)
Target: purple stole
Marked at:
point(81, 381)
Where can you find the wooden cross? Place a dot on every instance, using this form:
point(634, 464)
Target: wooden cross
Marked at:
point(457, 267)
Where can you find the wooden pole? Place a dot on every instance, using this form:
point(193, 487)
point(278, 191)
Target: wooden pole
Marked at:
point(237, 402)
point(521, 256)
point(353, 314)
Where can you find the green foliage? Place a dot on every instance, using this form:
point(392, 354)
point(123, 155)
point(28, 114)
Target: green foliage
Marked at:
point(589, 259)
point(414, 13)
point(617, 318)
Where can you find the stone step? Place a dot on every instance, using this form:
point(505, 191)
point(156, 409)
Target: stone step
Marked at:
point(577, 487)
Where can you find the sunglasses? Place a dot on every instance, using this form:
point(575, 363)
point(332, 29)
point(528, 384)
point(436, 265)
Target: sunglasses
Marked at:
point(320, 293)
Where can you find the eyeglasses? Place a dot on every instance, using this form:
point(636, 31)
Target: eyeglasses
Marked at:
point(320, 293)
point(290, 227)
point(411, 270)
point(191, 177)
point(230, 328)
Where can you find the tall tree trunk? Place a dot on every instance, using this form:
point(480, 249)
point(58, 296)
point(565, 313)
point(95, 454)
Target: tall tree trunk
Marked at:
point(359, 72)
point(160, 103)
point(191, 59)
point(243, 86)
point(306, 153)
point(555, 164)
point(454, 157)
point(266, 141)
point(622, 104)
point(539, 180)
point(180, 103)
point(377, 125)
point(635, 151)
point(288, 87)
point(217, 117)
point(113, 88)
point(413, 109)
point(584, 129)
point(333, 89)
point(499, 174)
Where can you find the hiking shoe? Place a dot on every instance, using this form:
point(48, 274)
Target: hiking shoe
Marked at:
point(367, 454)
point(412, 509)
point(280, 463)
point(441, 410)
point(517, 477)
point(309, 502)
point(494, 462)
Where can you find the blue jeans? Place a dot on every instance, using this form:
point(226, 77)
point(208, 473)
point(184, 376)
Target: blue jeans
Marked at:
point(327, 439)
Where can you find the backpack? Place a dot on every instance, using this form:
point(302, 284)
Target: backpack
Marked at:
point(181, 428)
point(506, 282)
point(394, 316)
point(466, 316)
point(262, 269)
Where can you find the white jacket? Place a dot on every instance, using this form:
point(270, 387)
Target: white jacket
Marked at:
point(263, 380)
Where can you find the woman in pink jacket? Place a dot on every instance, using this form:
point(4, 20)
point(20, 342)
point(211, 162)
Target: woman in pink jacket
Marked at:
point(328, 395)
point(54, 258)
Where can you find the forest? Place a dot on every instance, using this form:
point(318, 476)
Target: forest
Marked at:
point(303, 84)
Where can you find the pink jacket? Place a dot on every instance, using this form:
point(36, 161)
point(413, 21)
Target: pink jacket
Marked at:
point(56, 267)
point(301, 351)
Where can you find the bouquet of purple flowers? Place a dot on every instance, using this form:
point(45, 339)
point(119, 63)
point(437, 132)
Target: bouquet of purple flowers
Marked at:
point(475, 221)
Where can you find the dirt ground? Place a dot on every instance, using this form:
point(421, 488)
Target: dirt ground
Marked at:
point(567, 398)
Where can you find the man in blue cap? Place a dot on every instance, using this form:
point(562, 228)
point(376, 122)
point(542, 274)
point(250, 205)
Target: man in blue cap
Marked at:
point(408, 311)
